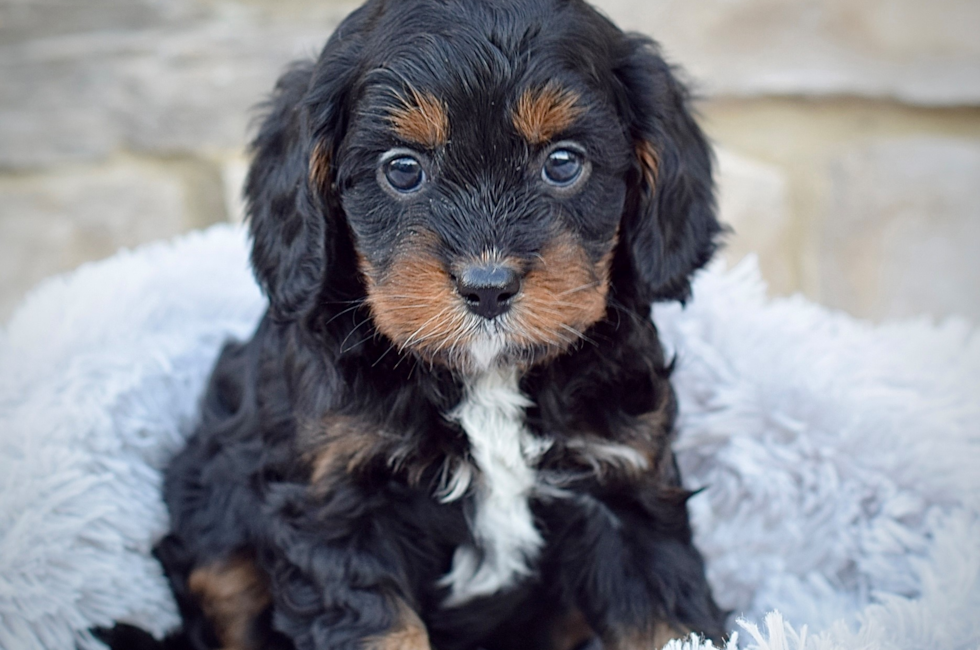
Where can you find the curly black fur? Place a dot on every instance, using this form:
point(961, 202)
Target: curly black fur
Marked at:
point(312, 477)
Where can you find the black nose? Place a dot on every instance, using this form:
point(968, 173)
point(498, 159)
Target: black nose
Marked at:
point(488, 290)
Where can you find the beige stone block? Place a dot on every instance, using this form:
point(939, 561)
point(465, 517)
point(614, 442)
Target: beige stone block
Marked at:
point(233, 174)
point(32, 20)
point(173, 88)
point(752, 200)
point(52, 223)
point(921, 52)
point(901, 231)
point(78, 83)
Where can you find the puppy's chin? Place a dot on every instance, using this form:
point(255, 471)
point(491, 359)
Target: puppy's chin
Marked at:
point(487, 350)
point(490, 346)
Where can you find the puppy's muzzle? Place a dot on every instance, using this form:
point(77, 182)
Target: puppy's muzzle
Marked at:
point(488, 289)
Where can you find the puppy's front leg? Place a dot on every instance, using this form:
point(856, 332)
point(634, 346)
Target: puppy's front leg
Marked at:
point(626, 556)
point(337, 580)
point(337, 617)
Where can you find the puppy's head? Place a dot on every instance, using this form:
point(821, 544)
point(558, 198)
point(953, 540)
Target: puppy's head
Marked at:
point(489, 176)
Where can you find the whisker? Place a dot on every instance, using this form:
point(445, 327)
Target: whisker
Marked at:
point(580, 335)
point(535, 332)
point(397, 307)
point(424, 325)
point(590, 285)
point(466, 332)
point(560, 303)
point(351, 333)
point(345, 302)
point(391, 346)
point(346, 311)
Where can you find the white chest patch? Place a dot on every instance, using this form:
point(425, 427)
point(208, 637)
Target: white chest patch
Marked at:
point(492, 415)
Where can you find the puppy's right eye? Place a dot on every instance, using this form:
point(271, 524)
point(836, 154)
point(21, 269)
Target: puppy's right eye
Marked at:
point(563, 167)
point(404, 174)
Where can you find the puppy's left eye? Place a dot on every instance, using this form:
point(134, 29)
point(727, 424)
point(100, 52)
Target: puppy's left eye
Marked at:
point(404, 173)
point(563, 167)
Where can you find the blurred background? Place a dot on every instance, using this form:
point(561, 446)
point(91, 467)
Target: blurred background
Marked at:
point(847, 132)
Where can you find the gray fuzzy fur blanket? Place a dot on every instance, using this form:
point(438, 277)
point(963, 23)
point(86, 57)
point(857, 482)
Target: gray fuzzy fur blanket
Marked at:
point(841, 460)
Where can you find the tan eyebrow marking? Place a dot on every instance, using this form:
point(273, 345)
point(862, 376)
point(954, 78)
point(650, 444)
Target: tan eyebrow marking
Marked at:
point(423, 119)
point(543, 112)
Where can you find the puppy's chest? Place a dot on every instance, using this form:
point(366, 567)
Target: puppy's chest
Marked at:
point(492, 414)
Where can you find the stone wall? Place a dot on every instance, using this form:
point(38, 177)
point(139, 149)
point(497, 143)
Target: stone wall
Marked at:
point(848, 131)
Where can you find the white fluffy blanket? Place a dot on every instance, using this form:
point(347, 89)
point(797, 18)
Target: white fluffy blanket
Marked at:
point(840, 459)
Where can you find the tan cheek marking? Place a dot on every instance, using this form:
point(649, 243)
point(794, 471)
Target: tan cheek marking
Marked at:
point(415, 304)
point(232, 594)
point(408, 633)
point(423, 120)
point(542, 113)
point(649, 159)
point(562, 296)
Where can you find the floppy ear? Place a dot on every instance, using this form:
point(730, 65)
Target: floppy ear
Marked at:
point(288, 255)
point(292, 205)
point(669, 227)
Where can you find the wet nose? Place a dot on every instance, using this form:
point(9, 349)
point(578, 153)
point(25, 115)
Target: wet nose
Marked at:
point(488, 290)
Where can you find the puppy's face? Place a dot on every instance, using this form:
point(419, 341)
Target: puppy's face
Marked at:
point(484, 214)
point(492, 163)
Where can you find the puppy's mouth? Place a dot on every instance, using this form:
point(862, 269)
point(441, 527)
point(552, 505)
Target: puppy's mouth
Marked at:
point(485, 313)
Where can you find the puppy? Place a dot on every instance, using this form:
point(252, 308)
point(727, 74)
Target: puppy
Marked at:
point(452, 427)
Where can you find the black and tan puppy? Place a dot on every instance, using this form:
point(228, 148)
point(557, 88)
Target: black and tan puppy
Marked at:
point(452, 428)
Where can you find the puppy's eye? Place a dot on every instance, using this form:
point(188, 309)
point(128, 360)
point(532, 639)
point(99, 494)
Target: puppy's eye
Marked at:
point(563, 167)
point(404, 173)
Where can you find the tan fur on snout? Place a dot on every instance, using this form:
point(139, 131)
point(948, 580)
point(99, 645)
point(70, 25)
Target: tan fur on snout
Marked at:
point(415, 304)
point(563, 295)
